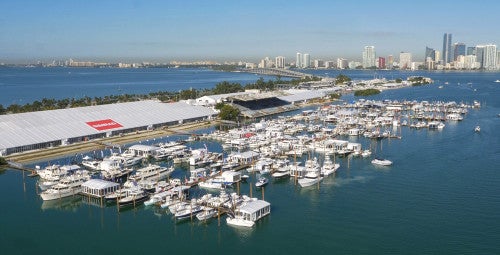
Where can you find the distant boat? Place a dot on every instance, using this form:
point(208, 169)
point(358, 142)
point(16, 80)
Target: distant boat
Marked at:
point(261, 182)
point(477, 129)
point(381, 162)
point(497, 81)
point(440, 87)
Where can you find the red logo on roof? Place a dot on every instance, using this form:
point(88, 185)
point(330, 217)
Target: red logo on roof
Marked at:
point(104, 124)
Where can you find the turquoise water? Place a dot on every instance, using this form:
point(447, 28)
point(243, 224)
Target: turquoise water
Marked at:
point(440, 197)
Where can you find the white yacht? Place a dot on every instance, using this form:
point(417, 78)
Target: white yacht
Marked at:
point(312, 173)
point(151, 172)
point(206, 214)
point(134, 197)
point(261, 182)
point(329, 167)
point(381, 162)
point(68, 186)
point(57, 171)
point(282, 172)
point(188, 211)
point(477, 129)
point(90, 163)
point(125, 159)
point(366, 153)
point(214, 183)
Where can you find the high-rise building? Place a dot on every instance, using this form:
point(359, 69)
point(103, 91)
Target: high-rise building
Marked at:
point(458, 50)
point(430, 53)
point(471, 51)
point(447, 53)
point(306, 63)
point(390, 61)
point(470, 62)
point(280, 62)
point(498, 59)
point(381, 63)
point(298, 61)
point(369, 57)
point(437, 56)
point(404, 60)
point(489, 57)
point(480, 55)
point(318, 63)
point(342, 63)
point(329, 64)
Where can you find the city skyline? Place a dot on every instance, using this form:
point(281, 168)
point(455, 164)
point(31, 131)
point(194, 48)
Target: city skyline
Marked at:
point(227, 30)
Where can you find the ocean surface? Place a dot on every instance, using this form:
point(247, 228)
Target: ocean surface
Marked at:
point(441, 195)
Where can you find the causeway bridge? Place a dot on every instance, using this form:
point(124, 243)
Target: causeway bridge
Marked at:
point(277, 72)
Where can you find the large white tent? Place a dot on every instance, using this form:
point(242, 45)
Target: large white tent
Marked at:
point(34, 130)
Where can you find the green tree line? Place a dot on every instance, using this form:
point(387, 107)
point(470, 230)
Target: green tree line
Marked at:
point(164, 96)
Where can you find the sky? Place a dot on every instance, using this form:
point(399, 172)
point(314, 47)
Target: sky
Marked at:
point(163, 31)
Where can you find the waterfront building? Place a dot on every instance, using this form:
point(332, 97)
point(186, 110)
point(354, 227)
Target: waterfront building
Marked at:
point(470, 62)
point(354, 64)
point(447, 53)
point(369, 57)
point(390, 61)
point(471, 50)
point(459, 62)
point(429, 63)
point(498, 59)
point(342, 63)
point(280, 62)
point(437, 56)
point(37, 130)
point(298, 61)
point(430, 53)
point(330, 64)
point(381, 63)
point(306, 63)
point(489, 57)
point(404, 60)
point(266, 63)
point(458, 50)
point(318, 63)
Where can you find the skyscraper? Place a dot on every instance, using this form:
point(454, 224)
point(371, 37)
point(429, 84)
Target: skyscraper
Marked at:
point(390, 61)
point(458, 50)
point(404, 60)
point(280, 62)
point(490, 57)
point(307, 61)
point(369, 57)
point(298, 61)
point(430, 53)
point(471, 50)
point(381, 62)
point(480, 55)
point(447, 53)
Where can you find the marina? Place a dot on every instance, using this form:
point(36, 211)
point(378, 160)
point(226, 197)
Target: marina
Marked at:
point(362, 202)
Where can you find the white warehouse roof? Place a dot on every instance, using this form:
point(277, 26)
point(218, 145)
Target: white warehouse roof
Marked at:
point(301, 95)
point(45, 126)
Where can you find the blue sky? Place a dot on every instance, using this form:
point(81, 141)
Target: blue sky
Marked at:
point(236, 29)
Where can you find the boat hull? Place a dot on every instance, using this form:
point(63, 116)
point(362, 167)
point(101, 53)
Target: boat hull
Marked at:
point(239, 222)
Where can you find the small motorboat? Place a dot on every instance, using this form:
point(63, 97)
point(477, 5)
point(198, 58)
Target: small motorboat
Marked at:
point(381, 162)
point(244, 177)
point(261, 182)
point(477, 129)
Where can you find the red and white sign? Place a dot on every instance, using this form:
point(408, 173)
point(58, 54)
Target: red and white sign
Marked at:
point(104, 124)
